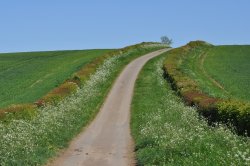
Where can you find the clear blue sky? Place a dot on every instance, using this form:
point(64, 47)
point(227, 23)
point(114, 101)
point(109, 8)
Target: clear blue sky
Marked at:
point(32, 25)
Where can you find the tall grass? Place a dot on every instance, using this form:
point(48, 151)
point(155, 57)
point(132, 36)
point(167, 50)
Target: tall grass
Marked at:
point(33, 142)
point(167, 132)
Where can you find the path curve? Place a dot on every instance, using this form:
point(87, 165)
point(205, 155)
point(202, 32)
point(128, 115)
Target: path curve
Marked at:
point(107, 140)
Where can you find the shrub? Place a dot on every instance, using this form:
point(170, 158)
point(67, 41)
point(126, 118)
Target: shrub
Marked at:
point(236, 113)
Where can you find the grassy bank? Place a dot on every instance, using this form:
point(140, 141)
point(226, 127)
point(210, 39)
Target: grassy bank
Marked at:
point(167, 132)
point(25, 77)
point(34, 141)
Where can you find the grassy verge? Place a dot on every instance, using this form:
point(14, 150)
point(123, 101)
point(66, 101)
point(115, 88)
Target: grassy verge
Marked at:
point(166, 132)
point(33, 141)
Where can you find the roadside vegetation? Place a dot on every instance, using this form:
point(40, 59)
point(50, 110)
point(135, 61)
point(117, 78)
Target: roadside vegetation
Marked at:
point(187, 71)
point(26, 77)
point(36, 136)
point(166, 132)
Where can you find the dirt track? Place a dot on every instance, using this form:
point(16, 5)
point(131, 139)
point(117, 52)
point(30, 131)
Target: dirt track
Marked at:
point(107, 140)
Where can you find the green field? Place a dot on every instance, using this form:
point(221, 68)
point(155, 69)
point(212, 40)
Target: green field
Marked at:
point(221, 71)
point(25, 77)
point(166, 132)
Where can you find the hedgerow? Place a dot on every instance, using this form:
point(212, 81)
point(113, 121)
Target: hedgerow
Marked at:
point(229, 111)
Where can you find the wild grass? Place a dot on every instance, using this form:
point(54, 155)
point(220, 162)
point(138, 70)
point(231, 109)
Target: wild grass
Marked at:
point(34, 141)
point(25, 77)
point(166, 132)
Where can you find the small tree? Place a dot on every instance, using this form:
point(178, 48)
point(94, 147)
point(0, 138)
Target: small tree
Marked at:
point(166, 40)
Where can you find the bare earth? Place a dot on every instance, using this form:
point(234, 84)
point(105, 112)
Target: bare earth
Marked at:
point(107, 140)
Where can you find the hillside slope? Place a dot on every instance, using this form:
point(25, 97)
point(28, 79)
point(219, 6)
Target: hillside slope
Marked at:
point(230, 66)
point(220, 71)
point(25, 77)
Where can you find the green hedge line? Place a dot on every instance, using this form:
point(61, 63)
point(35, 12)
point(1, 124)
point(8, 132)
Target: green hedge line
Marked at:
point(69, 87)
point(233, 112)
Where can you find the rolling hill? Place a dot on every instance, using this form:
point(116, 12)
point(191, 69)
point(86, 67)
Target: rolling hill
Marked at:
point(221, 71)
point(25, 77)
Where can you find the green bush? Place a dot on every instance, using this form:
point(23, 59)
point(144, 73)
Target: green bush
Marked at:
point(235, 112)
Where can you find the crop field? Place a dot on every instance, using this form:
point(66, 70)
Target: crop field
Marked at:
point(221, 71)
point(25, 77)
point(230, 65)
point(166, 132)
